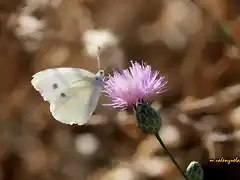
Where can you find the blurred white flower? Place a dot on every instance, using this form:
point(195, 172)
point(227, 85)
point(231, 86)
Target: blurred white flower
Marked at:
point(152, 166)
point(235, 117)
point(28, 25)
point(179, 20)
point(233, 52)
point(29, 29)
point(170, 135)
point(87, 144)
point(93, 39)
point(120, 173)
point(219, 137)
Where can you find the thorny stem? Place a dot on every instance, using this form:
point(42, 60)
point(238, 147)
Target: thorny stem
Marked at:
point(170, 155)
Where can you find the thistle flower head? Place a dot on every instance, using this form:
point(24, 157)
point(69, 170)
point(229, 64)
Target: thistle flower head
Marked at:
point(127, 87)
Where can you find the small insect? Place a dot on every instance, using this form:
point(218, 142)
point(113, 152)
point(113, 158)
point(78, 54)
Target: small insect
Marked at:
point(83, 89)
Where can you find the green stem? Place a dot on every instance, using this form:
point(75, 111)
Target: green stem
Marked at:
point(169, 154)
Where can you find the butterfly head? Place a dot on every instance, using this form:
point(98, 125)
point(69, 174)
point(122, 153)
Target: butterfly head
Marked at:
point(100, 77)
point(100, 74)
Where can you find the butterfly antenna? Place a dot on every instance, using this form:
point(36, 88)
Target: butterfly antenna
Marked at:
point(98, 58)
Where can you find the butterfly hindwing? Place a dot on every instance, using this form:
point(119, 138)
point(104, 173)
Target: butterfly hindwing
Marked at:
point(76, 105)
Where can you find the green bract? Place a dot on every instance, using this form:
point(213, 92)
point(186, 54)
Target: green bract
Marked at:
point(148, 119)
point(194, 171)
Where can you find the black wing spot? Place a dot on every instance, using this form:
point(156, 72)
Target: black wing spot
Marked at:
point(55, 86)
point(63, 95)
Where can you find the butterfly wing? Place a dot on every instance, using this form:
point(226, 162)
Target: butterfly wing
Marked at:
point(52, 82)
point(77, 104)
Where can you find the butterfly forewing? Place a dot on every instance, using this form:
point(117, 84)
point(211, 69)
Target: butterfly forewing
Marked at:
point(51, 82)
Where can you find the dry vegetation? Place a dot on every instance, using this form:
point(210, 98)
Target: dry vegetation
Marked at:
point(181, 38)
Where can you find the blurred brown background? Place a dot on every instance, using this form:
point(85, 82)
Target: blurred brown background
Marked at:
point(182, 39)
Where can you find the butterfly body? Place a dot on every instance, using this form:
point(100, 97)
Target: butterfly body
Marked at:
point(73, 93)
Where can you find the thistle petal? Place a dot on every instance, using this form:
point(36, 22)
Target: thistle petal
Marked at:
point(127, 87)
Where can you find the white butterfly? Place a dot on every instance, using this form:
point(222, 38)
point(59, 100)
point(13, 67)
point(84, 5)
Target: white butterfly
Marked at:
point(73, 93)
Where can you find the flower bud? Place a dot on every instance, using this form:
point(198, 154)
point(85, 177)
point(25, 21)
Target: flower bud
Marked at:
point(194, 171)
point(148, 119)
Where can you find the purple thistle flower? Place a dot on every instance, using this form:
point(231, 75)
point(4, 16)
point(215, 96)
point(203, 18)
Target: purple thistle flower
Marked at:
point(127, 87)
